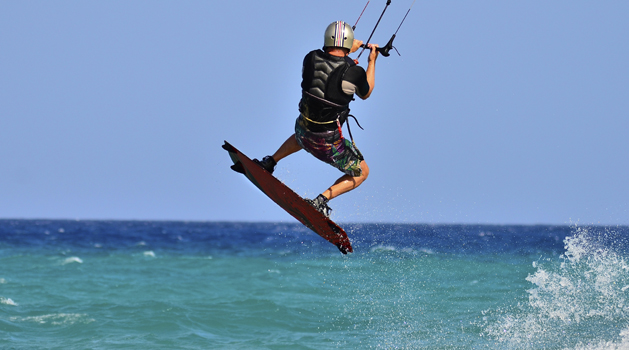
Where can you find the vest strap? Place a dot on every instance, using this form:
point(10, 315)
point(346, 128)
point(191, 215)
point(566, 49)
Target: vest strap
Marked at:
point(323, 100)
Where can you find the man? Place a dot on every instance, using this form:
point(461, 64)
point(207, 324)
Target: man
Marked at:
point(329, 81)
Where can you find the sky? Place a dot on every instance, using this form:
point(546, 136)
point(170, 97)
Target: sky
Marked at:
point(496, 112)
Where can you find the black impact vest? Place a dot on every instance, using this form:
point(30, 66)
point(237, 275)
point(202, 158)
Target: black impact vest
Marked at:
point(323, 99)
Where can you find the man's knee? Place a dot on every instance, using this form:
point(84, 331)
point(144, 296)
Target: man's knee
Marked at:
point(364, 171)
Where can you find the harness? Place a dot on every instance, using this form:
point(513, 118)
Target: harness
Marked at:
point(342, 115)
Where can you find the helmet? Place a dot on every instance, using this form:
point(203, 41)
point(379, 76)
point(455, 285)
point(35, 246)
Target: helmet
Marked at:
point(339, 34)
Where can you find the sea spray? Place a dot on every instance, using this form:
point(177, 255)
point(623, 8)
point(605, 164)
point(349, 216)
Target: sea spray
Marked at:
point(582, 295)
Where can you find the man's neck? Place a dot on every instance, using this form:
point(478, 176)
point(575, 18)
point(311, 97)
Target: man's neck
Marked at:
point(336, 52)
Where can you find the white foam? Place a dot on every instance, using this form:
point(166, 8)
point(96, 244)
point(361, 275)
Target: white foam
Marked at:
point(623, 344)
point(54, 319)
point(406, 250)
point(427, 251)
point(383, 248)
point(73, 259)
point(7, 301)
point(149, 253)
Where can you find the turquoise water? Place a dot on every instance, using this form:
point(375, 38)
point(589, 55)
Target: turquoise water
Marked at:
point(178, 285)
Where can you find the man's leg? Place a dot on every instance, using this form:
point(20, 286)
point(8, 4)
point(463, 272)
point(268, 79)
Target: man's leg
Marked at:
point(347, 183)
point(289, 147)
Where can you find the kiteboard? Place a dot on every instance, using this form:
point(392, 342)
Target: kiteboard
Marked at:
point(289, 200)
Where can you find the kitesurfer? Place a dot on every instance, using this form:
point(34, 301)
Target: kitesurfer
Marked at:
point(329, 81)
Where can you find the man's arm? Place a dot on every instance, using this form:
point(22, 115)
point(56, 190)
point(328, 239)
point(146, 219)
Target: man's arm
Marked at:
point(371, 70)
point(356, 45)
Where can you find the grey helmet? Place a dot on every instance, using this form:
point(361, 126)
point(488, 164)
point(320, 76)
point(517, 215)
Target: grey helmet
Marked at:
point(339, 34)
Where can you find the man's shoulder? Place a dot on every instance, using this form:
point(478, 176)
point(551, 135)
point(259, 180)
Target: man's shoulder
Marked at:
point(355, 73)
point(317, 52)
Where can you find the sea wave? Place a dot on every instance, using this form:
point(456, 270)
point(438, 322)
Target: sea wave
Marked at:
point(381, 248)
point(584, 292)
point(7, 301)
point(73, 259)
point(54, 319)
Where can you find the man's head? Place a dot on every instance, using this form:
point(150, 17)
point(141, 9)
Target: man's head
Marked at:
point(338, 35)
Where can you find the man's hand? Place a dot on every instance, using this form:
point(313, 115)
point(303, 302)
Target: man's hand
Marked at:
point(374, 52)
point(356, 45)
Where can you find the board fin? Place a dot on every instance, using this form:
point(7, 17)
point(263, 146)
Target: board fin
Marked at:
point(237, 167)
point(228, 147)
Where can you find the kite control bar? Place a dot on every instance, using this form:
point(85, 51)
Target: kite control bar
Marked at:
point(384, 51)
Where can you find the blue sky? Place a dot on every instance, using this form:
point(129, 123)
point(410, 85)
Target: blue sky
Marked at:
point(503, 112)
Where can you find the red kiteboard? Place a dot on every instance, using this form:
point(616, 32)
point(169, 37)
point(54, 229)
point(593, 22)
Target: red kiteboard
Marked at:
point(289, 200)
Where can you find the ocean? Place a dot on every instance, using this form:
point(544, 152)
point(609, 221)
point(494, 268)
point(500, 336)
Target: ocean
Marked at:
point(232, 285)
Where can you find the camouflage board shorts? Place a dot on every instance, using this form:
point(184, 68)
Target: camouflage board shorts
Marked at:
point(329, 147)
